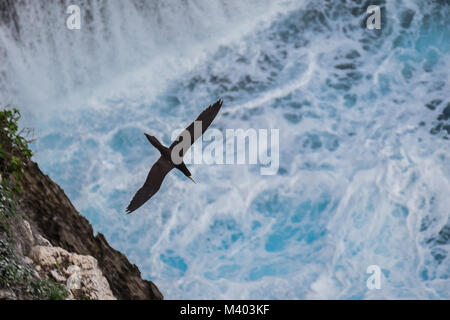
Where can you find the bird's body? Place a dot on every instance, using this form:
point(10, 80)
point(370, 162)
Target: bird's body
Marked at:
point(172, 157)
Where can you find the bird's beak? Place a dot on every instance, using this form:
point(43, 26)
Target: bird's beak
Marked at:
point(190, 177)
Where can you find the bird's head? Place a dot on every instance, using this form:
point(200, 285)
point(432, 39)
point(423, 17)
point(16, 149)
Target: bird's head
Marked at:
point(192, 179)
point(182, 167)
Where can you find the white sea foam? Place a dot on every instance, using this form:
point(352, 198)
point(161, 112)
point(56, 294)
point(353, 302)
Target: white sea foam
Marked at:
point(361, 182)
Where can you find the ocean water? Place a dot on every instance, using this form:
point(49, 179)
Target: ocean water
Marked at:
point(364, 120)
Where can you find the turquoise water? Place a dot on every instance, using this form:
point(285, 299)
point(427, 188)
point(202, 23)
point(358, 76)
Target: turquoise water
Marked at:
point(364, 153)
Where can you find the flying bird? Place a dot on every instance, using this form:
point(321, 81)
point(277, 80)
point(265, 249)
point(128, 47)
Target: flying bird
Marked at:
point(172, 157)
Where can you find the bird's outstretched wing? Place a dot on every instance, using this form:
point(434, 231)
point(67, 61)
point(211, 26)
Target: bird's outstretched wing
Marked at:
point(154, 180)
point(205, 119)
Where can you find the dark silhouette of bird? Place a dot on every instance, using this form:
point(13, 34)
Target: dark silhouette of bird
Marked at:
point(172, 157)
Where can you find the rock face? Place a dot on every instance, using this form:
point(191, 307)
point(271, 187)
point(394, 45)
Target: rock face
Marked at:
point(63, 236)
point(7, 295)
point(80, 274)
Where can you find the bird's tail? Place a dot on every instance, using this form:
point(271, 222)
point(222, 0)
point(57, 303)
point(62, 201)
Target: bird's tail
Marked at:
point(155, 142)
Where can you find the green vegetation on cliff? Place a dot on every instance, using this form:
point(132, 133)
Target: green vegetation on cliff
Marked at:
point(14, 154)
point(19, 279)
point(22, 279)
point(14, 150)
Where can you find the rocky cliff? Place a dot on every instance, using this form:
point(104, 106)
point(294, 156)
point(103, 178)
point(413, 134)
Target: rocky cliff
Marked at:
point(48, 250)
point(46, 205)
point(57, 241)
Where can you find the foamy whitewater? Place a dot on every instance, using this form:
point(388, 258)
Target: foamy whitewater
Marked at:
point(364, 174)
